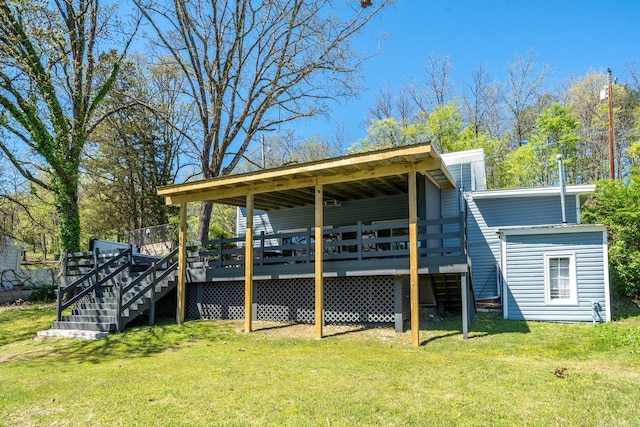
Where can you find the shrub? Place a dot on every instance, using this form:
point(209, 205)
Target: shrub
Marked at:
point(617, 205)
point(44, 293)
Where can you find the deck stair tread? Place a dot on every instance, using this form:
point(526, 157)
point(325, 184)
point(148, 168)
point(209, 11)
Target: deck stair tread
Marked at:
point(96, 314)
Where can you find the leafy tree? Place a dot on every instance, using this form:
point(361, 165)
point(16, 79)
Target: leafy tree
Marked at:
point(445, 126)
point(252, 65)
point(387, 133)
point(617, 205)
point(133, 152)
point(50, 96)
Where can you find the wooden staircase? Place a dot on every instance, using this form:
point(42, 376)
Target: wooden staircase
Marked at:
point(447, 291)
point(109, 290)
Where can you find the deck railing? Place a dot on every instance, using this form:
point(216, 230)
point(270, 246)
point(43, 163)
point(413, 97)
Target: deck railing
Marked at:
point(441, 238)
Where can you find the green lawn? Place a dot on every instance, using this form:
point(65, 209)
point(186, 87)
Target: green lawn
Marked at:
point(208, 373)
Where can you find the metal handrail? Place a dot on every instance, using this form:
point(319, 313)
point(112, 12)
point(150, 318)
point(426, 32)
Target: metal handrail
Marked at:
point(155, 279)
point(94, 274)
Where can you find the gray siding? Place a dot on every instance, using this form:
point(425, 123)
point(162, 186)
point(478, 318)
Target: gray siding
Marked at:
point(349, 213)
point(10, 255)
point(525, 275)
point(486, 216)
point(451, 201)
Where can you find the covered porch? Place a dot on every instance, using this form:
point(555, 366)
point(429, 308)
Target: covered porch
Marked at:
point(417, 247)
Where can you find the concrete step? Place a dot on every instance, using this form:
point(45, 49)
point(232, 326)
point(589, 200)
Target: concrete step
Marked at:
point(73, 333)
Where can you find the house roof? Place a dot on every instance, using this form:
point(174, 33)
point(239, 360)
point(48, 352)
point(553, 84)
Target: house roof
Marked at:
point(352, 177)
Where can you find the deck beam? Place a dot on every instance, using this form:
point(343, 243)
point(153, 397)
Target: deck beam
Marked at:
point(248, 268)
point(414, 278)
point(182, 266)
point(319, 273)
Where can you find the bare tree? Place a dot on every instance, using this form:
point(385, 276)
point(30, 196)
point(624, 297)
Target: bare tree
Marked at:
point(481, 104)
point(253, 65)
point(438, 83)
point(524, 85)
point(399, 106)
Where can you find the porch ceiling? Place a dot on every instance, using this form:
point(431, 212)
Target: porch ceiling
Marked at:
point(353, 177)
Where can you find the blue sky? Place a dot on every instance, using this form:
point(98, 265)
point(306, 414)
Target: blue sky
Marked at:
point(570, 36)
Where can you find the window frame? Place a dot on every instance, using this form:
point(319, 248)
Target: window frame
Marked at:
point(573, 286)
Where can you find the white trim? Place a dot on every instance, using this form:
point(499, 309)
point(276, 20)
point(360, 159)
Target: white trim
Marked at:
point(239, 217)
point(573, 283)
point(532, 192)
point(475, 160)
point(505, 281)
point(578, 209)
point(555, 229)
point(459, 157)
point(605, 259)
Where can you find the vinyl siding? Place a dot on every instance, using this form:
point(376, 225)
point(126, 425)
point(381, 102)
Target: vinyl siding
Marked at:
point(349, 213)
point(10, 255)
point(486, 216)
point(525, 275)
point(451, 201)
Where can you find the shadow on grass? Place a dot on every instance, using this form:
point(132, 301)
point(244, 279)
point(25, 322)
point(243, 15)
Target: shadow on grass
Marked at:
point(484, 324)
point(623, 307)
point(135, 342)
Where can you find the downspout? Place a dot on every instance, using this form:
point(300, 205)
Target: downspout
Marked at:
point(562, 190)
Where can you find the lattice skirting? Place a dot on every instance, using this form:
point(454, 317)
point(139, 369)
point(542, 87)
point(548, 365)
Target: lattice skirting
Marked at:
point(347, 300)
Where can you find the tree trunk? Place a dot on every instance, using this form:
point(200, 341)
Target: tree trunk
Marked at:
point(69, 214)
point(205, 220)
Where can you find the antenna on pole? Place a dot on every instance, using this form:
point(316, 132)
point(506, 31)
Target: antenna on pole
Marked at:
point(612, 170)
point(262, 145)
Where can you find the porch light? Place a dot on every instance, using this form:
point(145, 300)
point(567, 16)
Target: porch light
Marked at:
point(331, 203)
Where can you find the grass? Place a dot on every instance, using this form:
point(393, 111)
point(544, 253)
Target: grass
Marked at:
point(209, 373)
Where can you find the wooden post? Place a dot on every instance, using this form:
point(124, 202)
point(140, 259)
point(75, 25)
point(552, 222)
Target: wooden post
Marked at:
point(318, 262)
point(182, 265)
point(413, 259)
point(248, 267)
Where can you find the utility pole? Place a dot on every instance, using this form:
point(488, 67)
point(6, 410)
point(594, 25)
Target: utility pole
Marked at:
point(612, 170)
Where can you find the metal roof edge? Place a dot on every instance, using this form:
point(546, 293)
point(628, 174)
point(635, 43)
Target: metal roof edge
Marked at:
point(546, 229)
point(532, 192)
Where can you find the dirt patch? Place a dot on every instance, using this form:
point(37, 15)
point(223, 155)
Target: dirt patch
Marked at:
point(20, 304)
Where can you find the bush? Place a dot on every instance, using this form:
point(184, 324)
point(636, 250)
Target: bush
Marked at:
point(44, 293)
point(617, 205)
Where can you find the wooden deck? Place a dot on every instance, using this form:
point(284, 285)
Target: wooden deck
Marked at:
point(354, 250)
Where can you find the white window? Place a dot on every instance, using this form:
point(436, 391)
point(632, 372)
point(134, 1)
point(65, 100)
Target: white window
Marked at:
point(560, 279)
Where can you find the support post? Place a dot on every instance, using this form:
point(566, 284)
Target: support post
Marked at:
point(248, 267)
point(319, 280)
point(152, 296)
point(182, 265)
point(397, 304)
point(464, 295)
point(414, 280)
